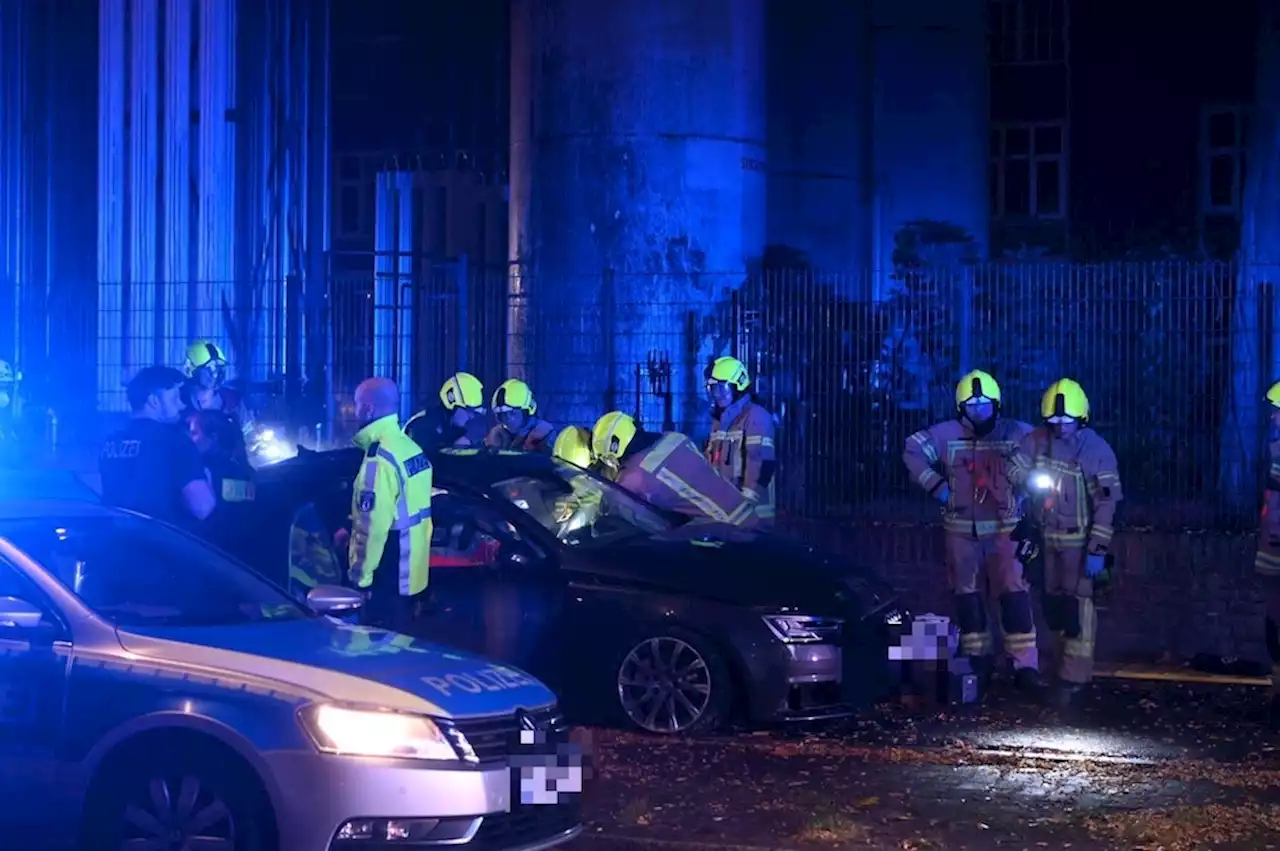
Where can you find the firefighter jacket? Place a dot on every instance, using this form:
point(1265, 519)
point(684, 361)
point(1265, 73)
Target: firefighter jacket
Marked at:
point(390, 511)
point(432, 430)
point(673, 474)
point(1076, 503)
point(983, 500)
point(536, 436)
point(741, 450)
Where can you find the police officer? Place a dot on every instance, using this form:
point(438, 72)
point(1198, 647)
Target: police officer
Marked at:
point(741, 445)
point(220, 442)
point(967, 464)
point(151, 465)
point(668, 471)
point(390, 542)
point(459, 421)
point(518, 428)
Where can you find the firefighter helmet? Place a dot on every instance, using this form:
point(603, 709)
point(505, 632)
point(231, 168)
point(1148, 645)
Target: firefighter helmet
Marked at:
point(462, 390)
point(203, 353)
point(612, 435)
point(977, 385)
point(1064, 400)
point(514, 395)
point(574, 446)
point(6, 372)
point(1273, 395)
point(731, 371)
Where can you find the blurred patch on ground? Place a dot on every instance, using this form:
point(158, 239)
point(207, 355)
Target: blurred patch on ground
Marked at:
point(1138, 766)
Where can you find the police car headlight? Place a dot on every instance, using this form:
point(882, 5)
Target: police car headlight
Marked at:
point(344, 731)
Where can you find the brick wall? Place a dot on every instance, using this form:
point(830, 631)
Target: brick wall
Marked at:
point(1175, 594)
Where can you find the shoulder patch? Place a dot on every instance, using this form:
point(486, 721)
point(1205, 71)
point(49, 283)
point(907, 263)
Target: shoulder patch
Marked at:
point(417, 464)
point(372, 451)
point(365, 501)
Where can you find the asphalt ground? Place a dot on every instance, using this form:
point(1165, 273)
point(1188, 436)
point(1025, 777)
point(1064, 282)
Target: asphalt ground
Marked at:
point(1137, 765)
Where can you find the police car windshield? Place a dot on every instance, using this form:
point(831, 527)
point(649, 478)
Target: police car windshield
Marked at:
point(136, 572)
point(580, 508)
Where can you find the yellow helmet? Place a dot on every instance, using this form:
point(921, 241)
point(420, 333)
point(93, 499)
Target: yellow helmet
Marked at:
point(574, 446)
point(514, 394)
point(6, 372)
point(612, 435)
point(462, 390)
point(731, 371)
point(1065, 399)
point(204, 353)
point(1273, 395)
point(977, 385)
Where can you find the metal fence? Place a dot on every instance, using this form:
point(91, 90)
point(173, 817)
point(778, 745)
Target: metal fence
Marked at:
point(849, 376)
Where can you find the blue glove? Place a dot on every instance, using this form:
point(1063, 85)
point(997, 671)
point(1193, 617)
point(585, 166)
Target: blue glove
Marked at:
point(1094, 565)
point(943, 493)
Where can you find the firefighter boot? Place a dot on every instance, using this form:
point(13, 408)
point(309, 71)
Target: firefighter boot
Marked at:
point(1029, 680)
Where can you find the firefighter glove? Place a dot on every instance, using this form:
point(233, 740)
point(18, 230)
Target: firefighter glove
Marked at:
point(1094, 565)
point(943, 493)
point(751, 495)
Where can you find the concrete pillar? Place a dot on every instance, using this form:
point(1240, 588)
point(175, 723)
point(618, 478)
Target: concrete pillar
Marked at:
point(643, 153)
point(820, 68)
point(931, 120)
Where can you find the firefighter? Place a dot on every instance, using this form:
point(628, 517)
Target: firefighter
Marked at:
point(205, 388)
point(1071, 475)
point(965, 464)
point(667, 470)
point(518, 429)
point(1267, 561)
point(741, 444)
point(573, 446)
point(458, 421)
point(390, 539)
point(221, 445)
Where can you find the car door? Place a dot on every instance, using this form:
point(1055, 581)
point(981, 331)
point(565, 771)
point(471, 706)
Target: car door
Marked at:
point(488, 582)
point(34, 663)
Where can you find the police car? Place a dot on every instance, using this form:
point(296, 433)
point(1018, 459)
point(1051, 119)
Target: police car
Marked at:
point(156, 693)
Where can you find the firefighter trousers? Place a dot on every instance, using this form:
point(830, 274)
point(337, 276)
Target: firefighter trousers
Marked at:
point(989, 564)
point(1267, 565)
point(1069, 612)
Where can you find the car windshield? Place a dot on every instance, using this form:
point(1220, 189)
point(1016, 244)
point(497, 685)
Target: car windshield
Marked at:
point(580, 508)
point(134, 571)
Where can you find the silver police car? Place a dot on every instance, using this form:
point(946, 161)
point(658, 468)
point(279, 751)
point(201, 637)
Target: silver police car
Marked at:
point(157, 694)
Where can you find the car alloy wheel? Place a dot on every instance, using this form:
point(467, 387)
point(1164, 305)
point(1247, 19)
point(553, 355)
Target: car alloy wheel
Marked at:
point(664, 685)
point(178, 815)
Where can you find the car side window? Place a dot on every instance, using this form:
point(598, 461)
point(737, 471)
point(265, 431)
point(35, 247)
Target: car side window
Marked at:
point(468, 533)
point(14, 585)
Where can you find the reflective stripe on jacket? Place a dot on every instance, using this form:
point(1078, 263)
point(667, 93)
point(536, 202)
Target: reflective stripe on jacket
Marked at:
point(390, 509)
point(741, 444)
point(1079, 506)
point(977, 469)
point(674, 475)
point(536, 436)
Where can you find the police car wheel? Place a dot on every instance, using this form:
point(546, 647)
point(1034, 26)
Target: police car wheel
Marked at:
point(674, 683)
point(191, 797)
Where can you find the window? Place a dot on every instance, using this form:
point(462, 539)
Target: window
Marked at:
point(1027, 32)
point(1028, 171)
point(1224, 133)
point(581, 509)
point(137, 572)
point(467, 533)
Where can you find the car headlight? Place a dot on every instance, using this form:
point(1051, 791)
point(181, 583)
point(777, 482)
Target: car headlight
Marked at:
point(371, 732)
point(802, 629)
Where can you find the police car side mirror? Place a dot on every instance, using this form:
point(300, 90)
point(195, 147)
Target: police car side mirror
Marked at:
point(334, 599)
point(16, 613)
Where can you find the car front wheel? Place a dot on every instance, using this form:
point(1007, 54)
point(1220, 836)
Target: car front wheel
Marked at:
point(674, 683)
point(178, 802)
